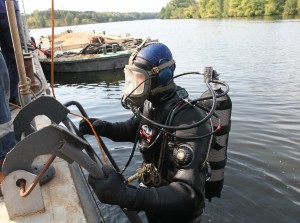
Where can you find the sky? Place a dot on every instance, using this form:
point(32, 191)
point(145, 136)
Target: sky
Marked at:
point(94, 5)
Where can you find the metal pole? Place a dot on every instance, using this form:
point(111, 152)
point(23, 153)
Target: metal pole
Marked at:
point(23, 84)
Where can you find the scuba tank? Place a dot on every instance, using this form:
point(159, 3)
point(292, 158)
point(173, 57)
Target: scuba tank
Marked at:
point(217, 157)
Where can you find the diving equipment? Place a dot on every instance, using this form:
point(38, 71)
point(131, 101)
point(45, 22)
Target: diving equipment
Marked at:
point(149, 76)
point(218, 154)
point(149, 72)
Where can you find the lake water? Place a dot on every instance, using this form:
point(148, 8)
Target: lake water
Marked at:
point(260, 60)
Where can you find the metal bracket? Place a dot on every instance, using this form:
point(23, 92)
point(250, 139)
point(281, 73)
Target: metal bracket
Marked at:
point(55, 140)
point(44, 105)
point(15, 204)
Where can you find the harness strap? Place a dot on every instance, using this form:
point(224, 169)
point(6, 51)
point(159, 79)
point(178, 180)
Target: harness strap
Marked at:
point(155, 70)
point(136, 51)
point(160, 89)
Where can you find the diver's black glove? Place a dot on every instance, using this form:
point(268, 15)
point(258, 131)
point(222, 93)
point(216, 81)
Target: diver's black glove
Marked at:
point(84, 127)
point(112, 190)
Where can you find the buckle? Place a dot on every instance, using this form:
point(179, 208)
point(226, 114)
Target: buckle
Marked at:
point(155, 70)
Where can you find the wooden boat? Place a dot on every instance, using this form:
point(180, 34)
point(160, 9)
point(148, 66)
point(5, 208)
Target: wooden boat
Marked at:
point(88, 52)
point(87, 63)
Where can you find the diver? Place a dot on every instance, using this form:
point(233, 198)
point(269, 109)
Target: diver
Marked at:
point(174, 149)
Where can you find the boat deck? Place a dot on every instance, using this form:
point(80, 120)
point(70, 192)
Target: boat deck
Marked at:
point(60, 198)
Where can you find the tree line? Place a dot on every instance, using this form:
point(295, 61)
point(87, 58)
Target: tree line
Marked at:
point(41, 19)
point(186, 9)
point(175, 9)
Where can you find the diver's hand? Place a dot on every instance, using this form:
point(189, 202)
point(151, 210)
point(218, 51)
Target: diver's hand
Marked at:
point(84, 127)
point(98, 124)
point(110, 190)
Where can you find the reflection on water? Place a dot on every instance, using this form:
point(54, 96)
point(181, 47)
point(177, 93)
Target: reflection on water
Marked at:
point(111, 77)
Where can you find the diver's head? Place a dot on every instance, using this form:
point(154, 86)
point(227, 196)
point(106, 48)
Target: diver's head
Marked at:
point(149, 73)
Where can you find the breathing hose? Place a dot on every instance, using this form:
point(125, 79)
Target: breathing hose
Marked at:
point(137, 112)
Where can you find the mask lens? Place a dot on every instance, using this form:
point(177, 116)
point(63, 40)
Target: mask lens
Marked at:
point(134, 82)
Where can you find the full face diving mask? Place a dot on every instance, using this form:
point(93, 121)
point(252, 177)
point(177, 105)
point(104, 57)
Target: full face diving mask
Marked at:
point(138, 83)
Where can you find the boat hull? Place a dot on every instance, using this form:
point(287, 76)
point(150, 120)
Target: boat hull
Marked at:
point(97, 63)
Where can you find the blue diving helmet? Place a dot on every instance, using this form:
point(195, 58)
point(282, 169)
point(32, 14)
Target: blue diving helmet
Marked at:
point(149, 72)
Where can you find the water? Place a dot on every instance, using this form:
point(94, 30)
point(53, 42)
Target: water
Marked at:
point(260, 60)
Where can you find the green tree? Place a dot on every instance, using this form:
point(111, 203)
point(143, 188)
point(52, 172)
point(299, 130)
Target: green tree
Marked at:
point(214, 8)
point(165, 13)
point(274, 7)
point(75, 21)
point(42, 22)
point(211, 8)
point(254, 7)
point(290, 7)
point(235, 8)
point(31, 22)
point(191, 12)
point(79, 17)
point(226, 8)
point(202, 8)
point(179, 9)
point(175, 9)
point(69, 18)
point(62, 18)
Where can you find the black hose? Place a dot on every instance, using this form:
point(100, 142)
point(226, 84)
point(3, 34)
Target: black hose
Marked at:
point(132, 151)
point(131, 215)
point(108, 154)
point(183, 127)
point(217, 96)
point(78, 105)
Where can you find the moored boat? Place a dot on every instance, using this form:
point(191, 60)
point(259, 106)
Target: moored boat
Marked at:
point(86, 52)
point(87, 63)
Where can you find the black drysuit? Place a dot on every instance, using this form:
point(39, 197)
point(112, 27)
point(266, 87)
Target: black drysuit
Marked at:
point(181, 162)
